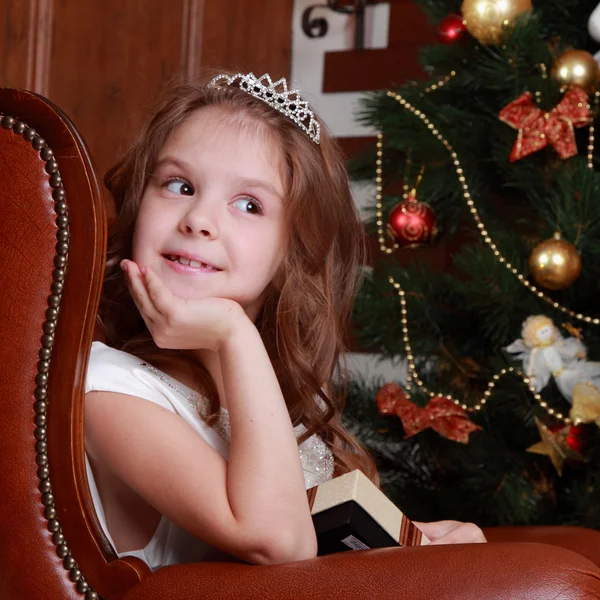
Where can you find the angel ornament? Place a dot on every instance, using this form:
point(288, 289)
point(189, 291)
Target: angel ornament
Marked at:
point(545, 353)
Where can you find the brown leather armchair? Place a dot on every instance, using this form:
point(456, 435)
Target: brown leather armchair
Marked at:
point(52, 245)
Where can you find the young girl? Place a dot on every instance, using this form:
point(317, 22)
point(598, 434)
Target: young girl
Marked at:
point(229, 284)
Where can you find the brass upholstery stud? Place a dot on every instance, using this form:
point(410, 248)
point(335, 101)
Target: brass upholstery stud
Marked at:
point(29, 133)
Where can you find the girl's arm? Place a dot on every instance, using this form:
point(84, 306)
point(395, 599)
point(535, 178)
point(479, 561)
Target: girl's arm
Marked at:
point(170, 467)
point(265, 481)
point(253, 507)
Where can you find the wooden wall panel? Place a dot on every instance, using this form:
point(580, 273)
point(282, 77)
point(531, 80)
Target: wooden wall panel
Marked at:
point(14, 19)
point(110, 59)
point(192, 34)
point(25, 43)
point(248, 35)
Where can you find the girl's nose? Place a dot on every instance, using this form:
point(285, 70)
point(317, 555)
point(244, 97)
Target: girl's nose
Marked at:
point(200, 221)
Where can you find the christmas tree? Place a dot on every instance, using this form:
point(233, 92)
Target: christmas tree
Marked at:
point(493, 158)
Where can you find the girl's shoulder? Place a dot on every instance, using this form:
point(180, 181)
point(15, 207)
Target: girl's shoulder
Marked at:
point(105, 355)
point(113, 370)
point(117, 371)
point(105, 360)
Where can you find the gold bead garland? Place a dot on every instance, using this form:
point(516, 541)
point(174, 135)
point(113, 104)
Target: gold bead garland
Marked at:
point(471, 204)
point(413, 375)
point(439, 84)
point(379, 198)
point(590, 148)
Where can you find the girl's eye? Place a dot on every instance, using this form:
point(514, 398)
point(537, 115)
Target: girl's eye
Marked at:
point(179, 186)
point(248, 205)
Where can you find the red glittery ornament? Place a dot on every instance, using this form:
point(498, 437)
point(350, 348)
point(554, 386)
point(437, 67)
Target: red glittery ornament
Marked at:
point(538, 129)
point(451, 29)
point(412, 223)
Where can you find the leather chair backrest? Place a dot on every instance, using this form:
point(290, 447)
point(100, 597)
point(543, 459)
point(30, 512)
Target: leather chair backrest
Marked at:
point(52, 248)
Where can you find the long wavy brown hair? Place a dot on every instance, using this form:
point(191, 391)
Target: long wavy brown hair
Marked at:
point(306, 313)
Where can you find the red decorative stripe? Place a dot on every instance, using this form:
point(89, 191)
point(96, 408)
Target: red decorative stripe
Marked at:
point(311, 494)
point(410, 534)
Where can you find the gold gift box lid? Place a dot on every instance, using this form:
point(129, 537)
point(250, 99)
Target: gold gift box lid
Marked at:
point(356, 486)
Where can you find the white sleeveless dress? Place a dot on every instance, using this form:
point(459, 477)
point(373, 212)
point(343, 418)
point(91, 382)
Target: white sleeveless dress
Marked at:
point(116, 371)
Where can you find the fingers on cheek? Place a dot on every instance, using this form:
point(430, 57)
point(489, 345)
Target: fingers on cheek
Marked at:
point(138, 298)
point(138, 291)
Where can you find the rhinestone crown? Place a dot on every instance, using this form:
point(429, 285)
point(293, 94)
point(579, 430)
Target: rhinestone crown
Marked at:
point(277, 95)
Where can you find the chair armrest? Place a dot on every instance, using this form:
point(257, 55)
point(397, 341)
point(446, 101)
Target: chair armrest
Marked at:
point(582, 540)
point(465, 571)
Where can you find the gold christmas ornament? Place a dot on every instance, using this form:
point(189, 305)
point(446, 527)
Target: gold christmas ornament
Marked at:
point(577, 68)
point(554, 446)
point(488, 20)
point(555, 263)
point(586, 403)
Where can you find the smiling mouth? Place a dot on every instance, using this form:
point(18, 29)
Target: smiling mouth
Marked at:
point(191, 263)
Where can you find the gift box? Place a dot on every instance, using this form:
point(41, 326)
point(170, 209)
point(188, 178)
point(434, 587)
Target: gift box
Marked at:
point(350, 513)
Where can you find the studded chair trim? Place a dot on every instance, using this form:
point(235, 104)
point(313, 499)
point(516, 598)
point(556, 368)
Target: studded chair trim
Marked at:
point(45, 354)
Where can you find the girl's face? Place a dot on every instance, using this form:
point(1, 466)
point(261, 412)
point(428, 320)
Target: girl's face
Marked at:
point(211, 221)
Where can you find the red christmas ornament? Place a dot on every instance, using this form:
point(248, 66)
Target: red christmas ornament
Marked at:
point(412, 223)
point(441, 414)
point(537, 129)
point(451, 29)
point(577, 438)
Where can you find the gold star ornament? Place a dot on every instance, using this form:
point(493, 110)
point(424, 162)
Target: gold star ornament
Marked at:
point(554, 445)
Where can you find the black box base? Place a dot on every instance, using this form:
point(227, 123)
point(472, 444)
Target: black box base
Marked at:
point(349, 519)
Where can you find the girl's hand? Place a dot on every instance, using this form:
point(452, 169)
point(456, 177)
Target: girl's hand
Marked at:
point(179, 323)
point(452, 532)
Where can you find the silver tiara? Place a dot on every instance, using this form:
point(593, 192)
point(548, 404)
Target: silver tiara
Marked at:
point(277, 95)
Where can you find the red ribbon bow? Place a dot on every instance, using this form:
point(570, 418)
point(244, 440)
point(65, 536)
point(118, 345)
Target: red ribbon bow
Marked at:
point(441, 414)
point(537, 128)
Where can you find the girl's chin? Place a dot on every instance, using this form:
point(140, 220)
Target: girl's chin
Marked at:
point(188, 289)
point(190, 293)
